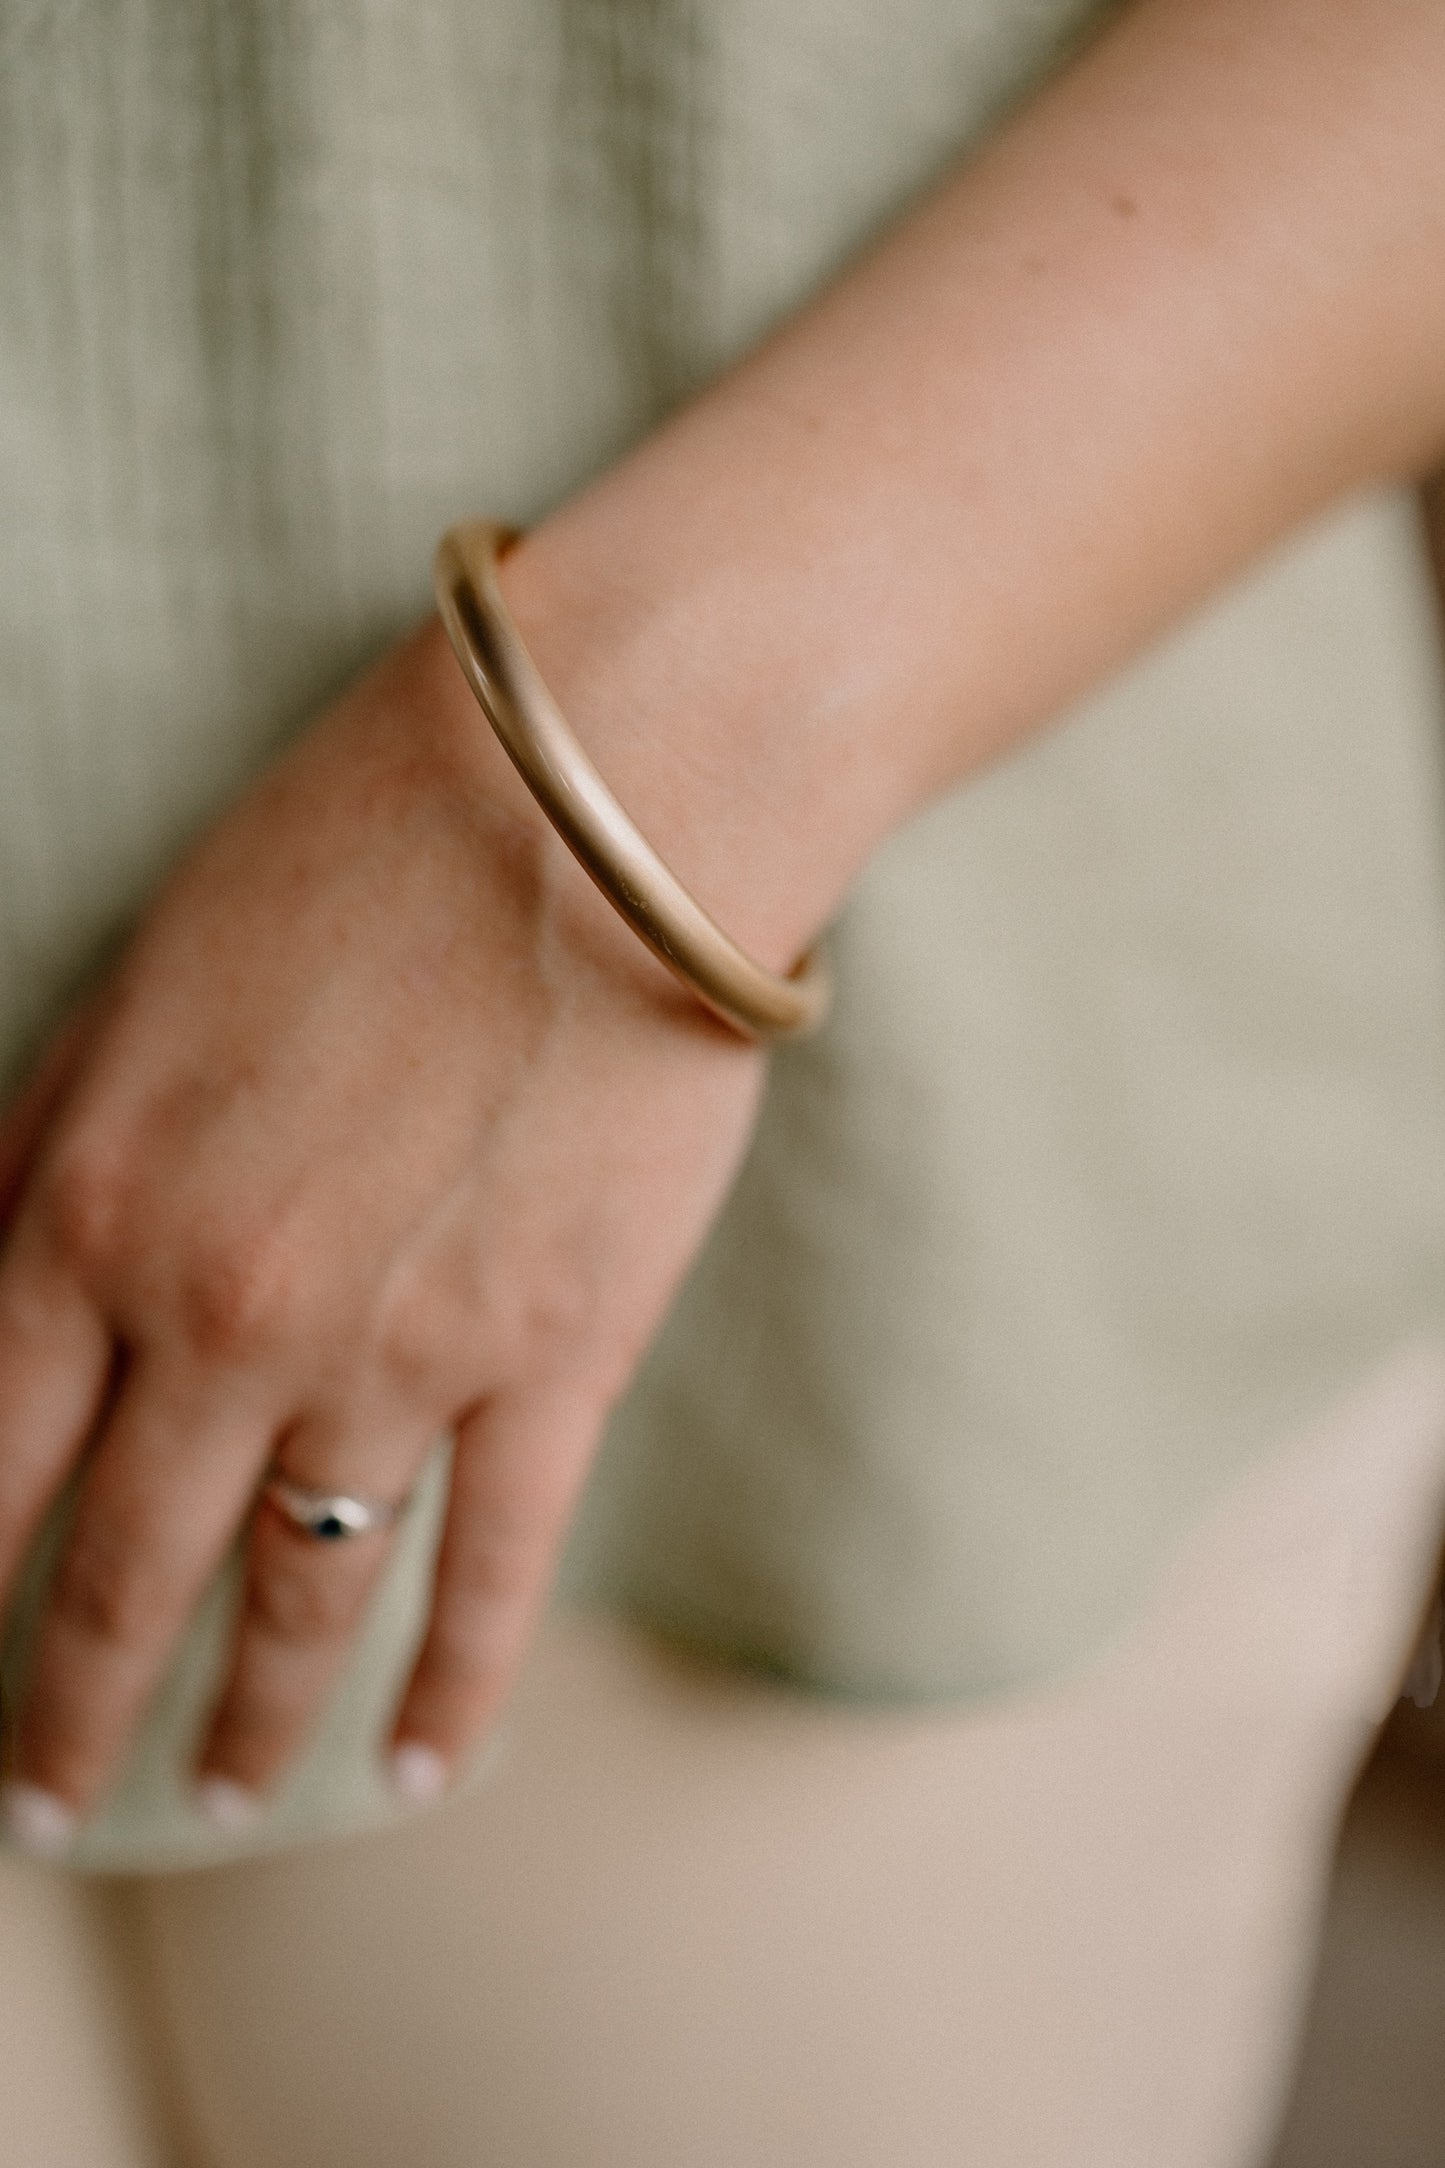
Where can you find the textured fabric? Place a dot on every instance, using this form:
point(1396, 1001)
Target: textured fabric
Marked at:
point(1032, 1251)
point(692, 1921)
point(1072, 1932)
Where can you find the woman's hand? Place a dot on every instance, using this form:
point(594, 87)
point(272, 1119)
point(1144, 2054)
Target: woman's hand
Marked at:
point(383, 1128)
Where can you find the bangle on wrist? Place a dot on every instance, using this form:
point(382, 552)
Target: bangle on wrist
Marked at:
point(759, 1003)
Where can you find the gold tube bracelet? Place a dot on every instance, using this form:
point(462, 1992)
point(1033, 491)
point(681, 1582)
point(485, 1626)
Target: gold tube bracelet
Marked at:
point(759, 1003)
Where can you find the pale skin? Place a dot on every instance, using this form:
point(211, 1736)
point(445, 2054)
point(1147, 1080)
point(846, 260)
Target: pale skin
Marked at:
point(1195, 292)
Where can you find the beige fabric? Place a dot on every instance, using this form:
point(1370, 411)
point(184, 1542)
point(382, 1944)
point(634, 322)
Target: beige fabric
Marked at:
point(1032, 1252)
point(79, 2082)
point(701, 1920)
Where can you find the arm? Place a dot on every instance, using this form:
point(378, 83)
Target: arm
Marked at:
point(1195, 291)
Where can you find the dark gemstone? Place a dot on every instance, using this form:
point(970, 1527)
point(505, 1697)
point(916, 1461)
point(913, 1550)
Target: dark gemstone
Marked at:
point(330, 1526)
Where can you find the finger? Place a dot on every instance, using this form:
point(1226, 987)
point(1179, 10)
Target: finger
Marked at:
point(24, 1122)
point(171, 1475)
point(304, 1602)
point(57, 1359)
point(518, 1467)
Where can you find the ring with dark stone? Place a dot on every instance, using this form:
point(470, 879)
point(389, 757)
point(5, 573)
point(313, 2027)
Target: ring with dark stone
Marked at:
point(328, 1516)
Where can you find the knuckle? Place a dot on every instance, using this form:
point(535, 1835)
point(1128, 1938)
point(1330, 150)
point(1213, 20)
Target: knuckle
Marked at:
point(560, 1319)
point(103, 1593)
point(299, 1606)
point(582, 1336)
point(87, 1194)
point(415, 1350)
point(239, 1299)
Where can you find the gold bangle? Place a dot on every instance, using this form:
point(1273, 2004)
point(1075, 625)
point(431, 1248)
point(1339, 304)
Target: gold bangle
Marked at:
point(757, 1002)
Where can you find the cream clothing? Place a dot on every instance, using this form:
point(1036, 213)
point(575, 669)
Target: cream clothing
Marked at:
point(699, 1921)
point(1033, 1250)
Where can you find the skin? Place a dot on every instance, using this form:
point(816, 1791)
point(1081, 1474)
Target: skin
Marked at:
point(1193, 294)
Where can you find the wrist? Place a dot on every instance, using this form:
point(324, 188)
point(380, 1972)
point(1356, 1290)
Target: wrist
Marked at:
point(663, 671)
point(581, 939)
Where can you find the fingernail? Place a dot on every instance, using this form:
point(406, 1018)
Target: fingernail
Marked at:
point(37, 1821)
point(228, 1804)
point(418, 1772)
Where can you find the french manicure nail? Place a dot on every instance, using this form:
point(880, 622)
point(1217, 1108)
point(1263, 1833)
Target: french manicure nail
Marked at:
point(228, 1804)
point(418, 1772)
point(36, 1821)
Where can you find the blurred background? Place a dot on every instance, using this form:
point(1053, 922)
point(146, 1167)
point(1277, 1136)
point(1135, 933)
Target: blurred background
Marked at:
point(1370, 2086)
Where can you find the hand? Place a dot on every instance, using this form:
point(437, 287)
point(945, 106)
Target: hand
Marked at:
point(384, 1127)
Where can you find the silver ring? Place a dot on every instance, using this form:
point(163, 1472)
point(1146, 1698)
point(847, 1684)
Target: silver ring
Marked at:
point(329, 1516)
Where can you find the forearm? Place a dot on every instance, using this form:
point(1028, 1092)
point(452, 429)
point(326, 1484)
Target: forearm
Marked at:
point(1193, 293)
